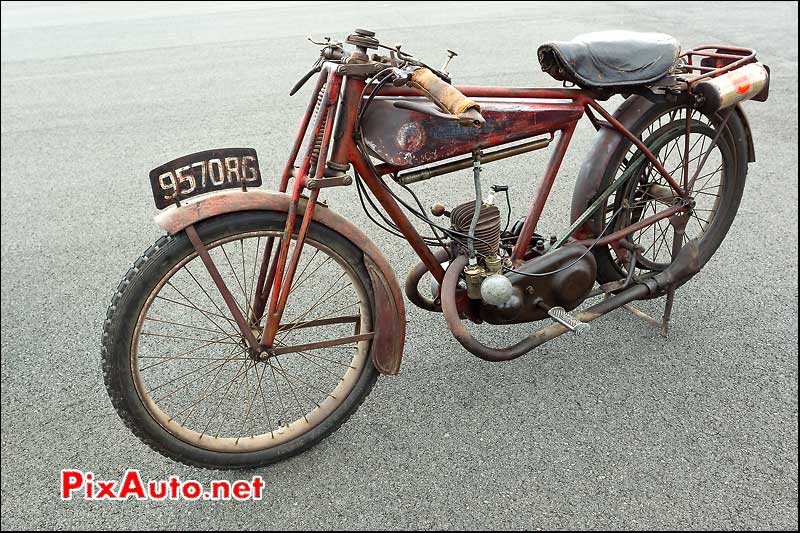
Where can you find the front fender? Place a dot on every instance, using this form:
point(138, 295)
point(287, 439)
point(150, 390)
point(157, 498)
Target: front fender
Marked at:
point(390, 319)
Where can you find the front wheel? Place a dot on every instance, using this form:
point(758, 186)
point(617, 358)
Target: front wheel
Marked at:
point(177, 369)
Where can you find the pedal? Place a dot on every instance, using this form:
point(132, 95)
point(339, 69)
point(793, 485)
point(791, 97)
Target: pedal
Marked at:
point(567, 320)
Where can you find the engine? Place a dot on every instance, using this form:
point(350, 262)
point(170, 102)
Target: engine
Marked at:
point(506, 294)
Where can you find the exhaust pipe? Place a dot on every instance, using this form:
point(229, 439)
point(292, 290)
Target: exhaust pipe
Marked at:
point(685, 265)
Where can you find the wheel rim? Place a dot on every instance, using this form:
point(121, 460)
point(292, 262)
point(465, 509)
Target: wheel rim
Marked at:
point(655, 241)
point(206, 390)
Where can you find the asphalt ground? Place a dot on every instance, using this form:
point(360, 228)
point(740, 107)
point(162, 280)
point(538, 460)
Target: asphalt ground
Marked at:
point(620, 429)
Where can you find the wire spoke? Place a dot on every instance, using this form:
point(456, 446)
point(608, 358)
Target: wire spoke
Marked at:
point(215, 366)
point(210, 341)
point(206, 385)
point(151, 319)
point(287, 374)
point(222, 315)
point(298, 283)
point(253, 276)
point(291, 388)
point(224, 396)
point(316, 356)
point(339, 310)
point(280, 397)
point(194, 306)
point(241, 287)
point(193, 406)
point(320, 301)
point(170, 358)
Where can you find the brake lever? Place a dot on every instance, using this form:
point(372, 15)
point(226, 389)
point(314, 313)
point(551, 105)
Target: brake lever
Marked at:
point(299, 85)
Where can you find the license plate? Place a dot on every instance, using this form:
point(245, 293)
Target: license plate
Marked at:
point(203, 172)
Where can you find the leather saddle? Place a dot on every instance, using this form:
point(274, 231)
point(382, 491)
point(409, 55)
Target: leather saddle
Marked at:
point(610, 59)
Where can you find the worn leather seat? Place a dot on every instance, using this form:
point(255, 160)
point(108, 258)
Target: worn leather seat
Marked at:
point(610, 59)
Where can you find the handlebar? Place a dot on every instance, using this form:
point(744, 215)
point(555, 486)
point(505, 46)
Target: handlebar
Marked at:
point(430, 82)
point(447, 98)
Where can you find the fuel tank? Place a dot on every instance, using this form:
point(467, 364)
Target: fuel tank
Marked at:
point(404, 138)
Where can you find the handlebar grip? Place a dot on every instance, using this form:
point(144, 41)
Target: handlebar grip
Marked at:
point(447, 97)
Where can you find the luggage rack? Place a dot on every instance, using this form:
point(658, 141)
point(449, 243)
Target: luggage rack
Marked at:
point(715, 60)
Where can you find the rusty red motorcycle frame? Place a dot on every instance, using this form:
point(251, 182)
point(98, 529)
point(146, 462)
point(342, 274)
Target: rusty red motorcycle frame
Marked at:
point(355, 117)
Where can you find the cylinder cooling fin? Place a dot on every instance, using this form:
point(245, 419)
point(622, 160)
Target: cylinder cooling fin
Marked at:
point(487, 231)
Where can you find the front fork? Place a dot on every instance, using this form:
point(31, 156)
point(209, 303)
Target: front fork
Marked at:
point(277, 269)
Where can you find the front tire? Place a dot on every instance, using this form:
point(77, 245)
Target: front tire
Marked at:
point(233, 436)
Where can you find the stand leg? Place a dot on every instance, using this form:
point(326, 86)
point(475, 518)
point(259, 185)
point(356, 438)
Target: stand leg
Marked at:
point(678, 221)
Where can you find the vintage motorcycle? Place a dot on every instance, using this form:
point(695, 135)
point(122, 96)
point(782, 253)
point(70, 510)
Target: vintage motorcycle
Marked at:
point(260, 322)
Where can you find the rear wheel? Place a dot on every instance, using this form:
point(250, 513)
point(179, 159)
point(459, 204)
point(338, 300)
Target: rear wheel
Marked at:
point(716, 178)
point(178, 371)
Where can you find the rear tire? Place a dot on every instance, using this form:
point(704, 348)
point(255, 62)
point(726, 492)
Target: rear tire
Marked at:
point(656, 120)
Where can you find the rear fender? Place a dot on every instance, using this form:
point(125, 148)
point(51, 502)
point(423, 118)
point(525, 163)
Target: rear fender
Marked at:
point(590, 177)
point(390, 319)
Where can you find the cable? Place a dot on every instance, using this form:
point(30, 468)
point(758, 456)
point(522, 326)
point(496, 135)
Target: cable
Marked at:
point(450, 232)
point(422, 209)
point(584, 254)
point(508, 212)
point(362, 148)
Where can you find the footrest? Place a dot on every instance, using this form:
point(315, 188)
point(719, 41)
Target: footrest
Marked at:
point(567, 320)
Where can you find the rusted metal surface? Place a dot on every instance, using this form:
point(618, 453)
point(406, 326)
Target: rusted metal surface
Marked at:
point(405, 139)
point(683, 267)
point(542, 193)
point(398, 216)
point(618, 126)
point(322, 344)
point(561, 278)
point(461, 164)
point(387, 353)
point(487, 225)
point(390, 326)
point(411, 285)
point(283, 276)
point(281, 291)
point(579, 96)
point(724, 60)
point(287, 326)
point(406, 132)
point(633, 228)
point(298, 142)
point(596, 161)
point(241, 321)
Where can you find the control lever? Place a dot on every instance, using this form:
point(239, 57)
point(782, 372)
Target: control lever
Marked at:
point(471, 117)
point(450, 56)
point(423, 108)
point(299, 85)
